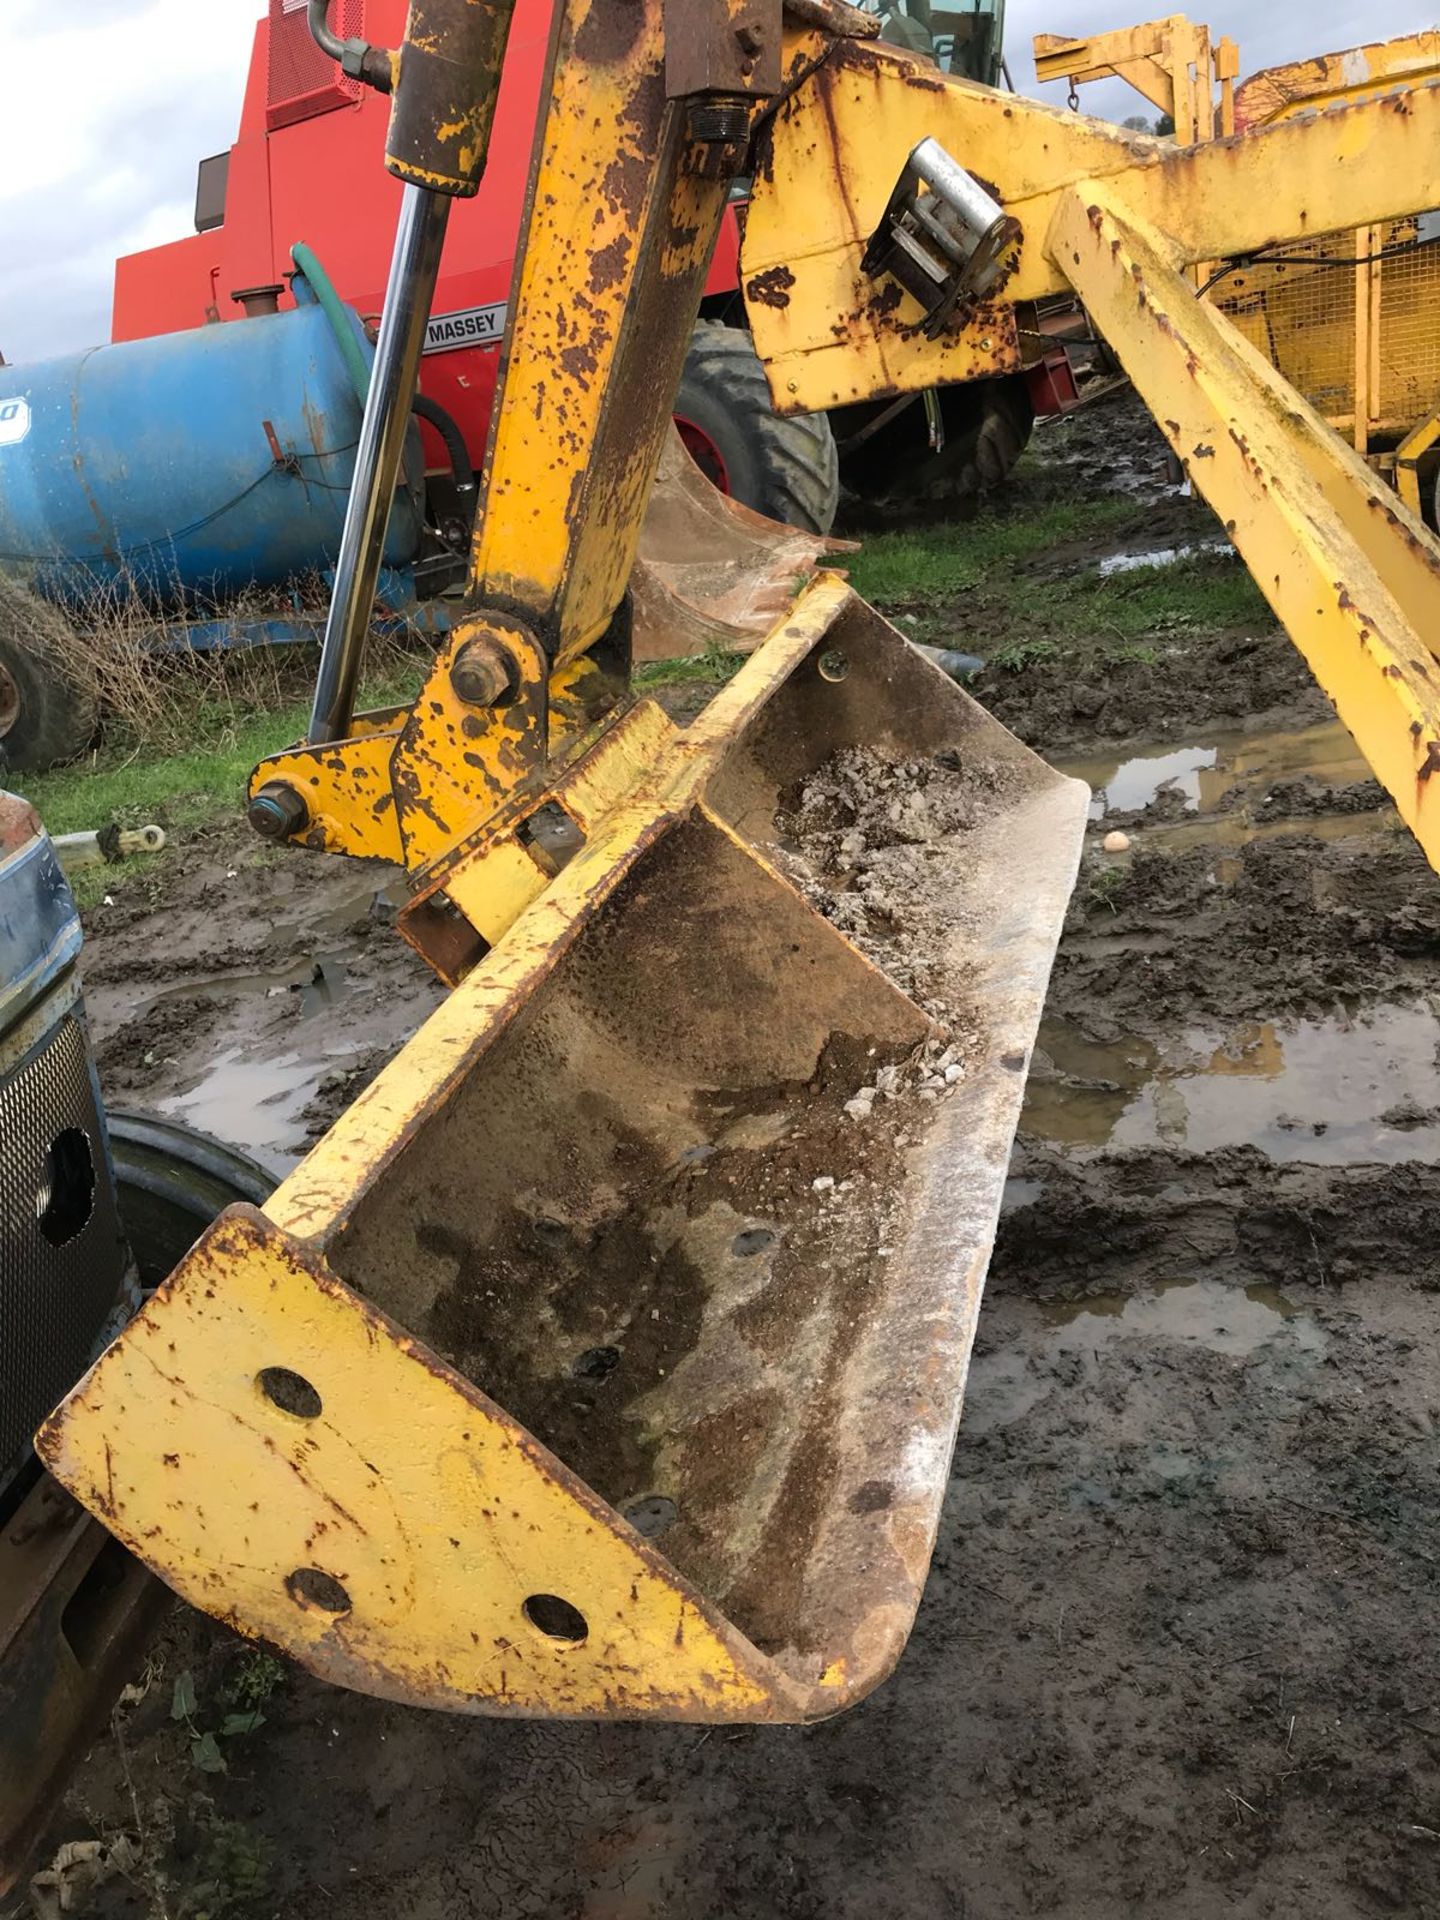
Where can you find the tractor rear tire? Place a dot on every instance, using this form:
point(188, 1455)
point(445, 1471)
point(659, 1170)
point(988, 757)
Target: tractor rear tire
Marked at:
point(987, 428)
point(49, 703)
point(171, 1181)
point(785, 467)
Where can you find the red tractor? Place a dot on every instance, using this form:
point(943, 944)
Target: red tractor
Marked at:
point(306, 169)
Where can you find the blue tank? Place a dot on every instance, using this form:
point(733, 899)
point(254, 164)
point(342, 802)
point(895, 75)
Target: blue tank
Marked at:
point(187, 468)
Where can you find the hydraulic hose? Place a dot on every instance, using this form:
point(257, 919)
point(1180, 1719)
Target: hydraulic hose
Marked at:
point(335, 311)
point(446, 426)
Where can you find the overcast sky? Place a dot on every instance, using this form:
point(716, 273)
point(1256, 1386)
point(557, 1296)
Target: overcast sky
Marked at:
point(109, 104)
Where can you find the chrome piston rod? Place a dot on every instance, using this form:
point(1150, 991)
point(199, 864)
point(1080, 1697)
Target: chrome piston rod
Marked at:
point(414, 266)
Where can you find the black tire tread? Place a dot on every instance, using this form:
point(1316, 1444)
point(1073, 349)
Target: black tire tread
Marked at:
point(59, 695)
point(795, 453)
point(988, 424)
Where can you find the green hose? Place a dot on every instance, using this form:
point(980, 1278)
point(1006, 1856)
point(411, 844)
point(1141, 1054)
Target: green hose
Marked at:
point(335, 311)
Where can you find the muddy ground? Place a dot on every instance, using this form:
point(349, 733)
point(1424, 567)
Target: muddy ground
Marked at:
point(1178, 1651)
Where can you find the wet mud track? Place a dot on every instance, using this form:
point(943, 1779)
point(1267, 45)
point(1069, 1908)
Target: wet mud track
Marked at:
point(1178, 1651)
point(249, 993)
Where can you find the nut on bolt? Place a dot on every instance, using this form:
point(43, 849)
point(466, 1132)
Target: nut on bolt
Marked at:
point(278, 811)
point(483, 674)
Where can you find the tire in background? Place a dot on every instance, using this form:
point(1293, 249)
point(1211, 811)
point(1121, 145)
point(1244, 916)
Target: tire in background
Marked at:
point(170, 1182)
point(49, 702)
point(783, 466)
point(987, 428)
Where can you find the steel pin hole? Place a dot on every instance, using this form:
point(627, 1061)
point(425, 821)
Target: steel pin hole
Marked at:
point(317, 1591)
point(291, 1392)
point(833, 665)
point(556, 1619)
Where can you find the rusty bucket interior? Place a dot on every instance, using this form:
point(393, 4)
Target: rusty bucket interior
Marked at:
point(681, 1204)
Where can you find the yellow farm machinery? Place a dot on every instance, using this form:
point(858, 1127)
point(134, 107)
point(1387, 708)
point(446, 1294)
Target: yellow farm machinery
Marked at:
point(607, 1355)
point(1348, 317)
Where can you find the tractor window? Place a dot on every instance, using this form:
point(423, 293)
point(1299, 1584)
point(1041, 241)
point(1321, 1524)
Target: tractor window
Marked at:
point(966, 41)
point(210, 184)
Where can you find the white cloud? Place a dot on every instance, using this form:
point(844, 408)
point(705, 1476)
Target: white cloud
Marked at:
point(142, 89)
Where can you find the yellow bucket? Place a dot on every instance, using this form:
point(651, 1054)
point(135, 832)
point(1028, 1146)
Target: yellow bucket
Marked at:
point(607, 1356)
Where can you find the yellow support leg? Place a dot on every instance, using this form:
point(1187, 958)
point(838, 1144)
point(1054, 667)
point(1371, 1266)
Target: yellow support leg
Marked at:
point(1354, 578)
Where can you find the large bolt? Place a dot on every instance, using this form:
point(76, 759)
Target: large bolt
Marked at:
point(483, 674)
point(277, 811)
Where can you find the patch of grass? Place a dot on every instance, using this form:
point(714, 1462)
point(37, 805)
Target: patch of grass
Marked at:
point(1204, 591)
point(929, 561)
point(976, 574)
point(1020, 654)
point(716, 663)
point(135, 784)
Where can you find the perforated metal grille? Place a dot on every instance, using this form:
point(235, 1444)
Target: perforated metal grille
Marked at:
point(1408, 342)
point(1303, 318)
point(54, 1300)
point(301, 80)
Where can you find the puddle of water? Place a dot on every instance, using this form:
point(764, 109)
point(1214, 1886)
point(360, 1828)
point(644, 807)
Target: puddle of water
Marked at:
point(1235, 830)
point(321, 981)
point(253, 1104)
point(1312, 1090)
point(1118, 786)
point(1164, 556)
point(1020, 1193)
point(1225, 1319)
point(1004, 1386)
point(1204, 771)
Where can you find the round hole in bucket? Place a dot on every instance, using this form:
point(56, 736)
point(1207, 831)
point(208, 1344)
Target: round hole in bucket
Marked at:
point(833, 664)
point(310, 1587)
point(556, 1618)
point(65, 1192)
point(652, 1515)
point(291, 1392)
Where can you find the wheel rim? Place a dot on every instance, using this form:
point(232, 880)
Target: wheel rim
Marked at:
point(704, 452)
point(9, 700)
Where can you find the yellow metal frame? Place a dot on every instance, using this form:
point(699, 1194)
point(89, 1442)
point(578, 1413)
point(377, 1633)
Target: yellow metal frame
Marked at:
point(1352, 575)
point(1392, 379)
point(1171, 63)
point(1408, 455)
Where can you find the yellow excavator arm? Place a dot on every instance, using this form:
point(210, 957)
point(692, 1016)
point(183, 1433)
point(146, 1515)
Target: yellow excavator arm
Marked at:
point(606, 1357)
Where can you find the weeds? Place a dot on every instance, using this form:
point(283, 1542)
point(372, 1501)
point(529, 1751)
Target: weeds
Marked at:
point(206, 1751)
point(716, 663)
point(1023, 653)
point(254, 1680)
point(1104, 882)
point(232, 1871)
